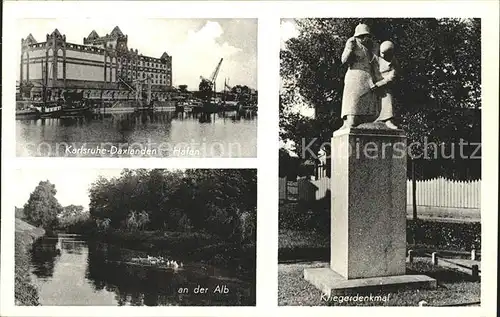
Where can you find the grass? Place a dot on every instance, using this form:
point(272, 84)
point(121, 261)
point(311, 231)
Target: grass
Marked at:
point(301, 246)
point(453, 288)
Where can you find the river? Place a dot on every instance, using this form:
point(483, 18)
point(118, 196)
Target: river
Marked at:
point(69, 270)
point(159, 134)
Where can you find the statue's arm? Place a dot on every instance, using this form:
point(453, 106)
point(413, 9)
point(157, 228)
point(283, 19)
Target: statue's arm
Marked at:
point(348, 50)
point(388, 78)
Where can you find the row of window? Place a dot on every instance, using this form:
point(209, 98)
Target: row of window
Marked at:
point(141, 74)
point(154, 82)
point(125, 61)
point(143, 68)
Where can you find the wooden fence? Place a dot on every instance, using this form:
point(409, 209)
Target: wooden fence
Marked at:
point(440, 192)
point(433, 193)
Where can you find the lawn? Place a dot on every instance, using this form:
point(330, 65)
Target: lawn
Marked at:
point(304, 242)
point(454, 288)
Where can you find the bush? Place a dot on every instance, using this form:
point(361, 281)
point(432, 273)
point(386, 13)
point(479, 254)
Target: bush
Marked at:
point(305, 216)
point(25, 293)
point(444, 235)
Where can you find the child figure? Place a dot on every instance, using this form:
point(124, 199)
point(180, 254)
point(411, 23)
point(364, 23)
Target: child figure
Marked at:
point(383, 87)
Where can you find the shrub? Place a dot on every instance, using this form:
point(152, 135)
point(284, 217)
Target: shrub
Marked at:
point(25, 293)
point(444, 235)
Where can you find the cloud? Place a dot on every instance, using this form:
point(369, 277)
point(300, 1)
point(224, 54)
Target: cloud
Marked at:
point(199, 55)
point(196, 45)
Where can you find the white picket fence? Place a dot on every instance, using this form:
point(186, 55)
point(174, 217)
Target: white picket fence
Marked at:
point(437, 192)
point(440, 192)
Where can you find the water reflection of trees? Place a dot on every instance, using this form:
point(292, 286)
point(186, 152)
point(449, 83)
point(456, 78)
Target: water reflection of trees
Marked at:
point(72, 246)
point(43, 256)
point(136, 286)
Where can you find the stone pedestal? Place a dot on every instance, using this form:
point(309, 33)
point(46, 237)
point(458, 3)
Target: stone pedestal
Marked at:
point(368, 216)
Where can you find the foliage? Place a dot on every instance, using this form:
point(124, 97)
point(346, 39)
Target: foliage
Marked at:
point(438, 95)
point(220, 202)
point(437, 235)
point(444, 235)
point(205, 90)
point(42, 208)
point(75, 220)
point(309, 216)
point(19, 212)
point(25, 293)
point(242, 92)
point(71, 211)
point(183, 88)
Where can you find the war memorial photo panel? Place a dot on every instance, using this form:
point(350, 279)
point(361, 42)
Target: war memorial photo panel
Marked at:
point(380, 163)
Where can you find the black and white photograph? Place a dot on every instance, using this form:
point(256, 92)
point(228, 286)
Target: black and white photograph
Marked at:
point(249, 158)
point(93, 87)
point(135, 237)
point(380, 162)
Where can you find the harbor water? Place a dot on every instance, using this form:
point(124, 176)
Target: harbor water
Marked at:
point(140, 134)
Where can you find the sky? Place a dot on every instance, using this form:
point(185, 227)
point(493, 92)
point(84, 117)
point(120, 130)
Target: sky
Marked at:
point(196, 45)
point(288, 30)
point(72, 185)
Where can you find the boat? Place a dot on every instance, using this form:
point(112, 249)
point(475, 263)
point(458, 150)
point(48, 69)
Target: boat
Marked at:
point(210, 107)
point(48, 109)
point(28, 113)
point(186, 107)
point(230, 105)
point(76, 111)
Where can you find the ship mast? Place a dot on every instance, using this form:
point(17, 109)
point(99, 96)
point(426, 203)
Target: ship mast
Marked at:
point(44, 83)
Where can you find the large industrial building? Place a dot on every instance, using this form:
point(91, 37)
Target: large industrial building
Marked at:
point(102, 68)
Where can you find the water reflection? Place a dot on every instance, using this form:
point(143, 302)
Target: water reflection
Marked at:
point(154, 130)
point(70, 271)
point(43, 256)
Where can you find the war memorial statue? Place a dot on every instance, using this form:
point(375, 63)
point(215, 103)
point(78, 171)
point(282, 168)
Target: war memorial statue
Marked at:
point(367, 95)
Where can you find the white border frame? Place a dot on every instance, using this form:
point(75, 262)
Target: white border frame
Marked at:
point(269, 14)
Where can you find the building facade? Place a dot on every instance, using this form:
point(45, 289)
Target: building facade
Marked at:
point(102, 68)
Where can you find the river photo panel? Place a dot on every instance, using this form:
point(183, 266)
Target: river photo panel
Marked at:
point(116, 237)
point(91, 87)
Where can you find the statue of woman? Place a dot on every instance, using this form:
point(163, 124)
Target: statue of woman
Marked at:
point(359, 103)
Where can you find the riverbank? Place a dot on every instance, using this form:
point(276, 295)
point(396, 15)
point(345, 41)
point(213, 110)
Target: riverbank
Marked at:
point(26, 293)
point(185, 246)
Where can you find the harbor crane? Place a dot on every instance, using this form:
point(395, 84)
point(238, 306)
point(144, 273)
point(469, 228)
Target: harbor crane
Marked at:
point(138, 88)
point(211, 81)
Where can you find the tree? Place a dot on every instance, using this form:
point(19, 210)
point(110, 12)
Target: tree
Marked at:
point(205, 90)
point(183, 88)
point(42, 208)
point(202, 200)
point(19, 213)
point(71, 211)
point(438, 95)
